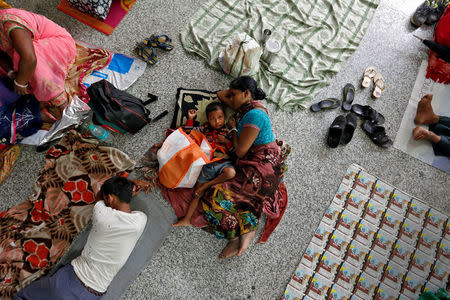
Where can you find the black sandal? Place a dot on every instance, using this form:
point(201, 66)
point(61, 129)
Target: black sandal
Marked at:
point(329, 103)
point(349, 128)
point(335, 131)
point(377, 134)
point(349, 96)
point(368, 113)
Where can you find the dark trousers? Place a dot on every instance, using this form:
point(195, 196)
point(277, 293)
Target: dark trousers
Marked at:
point(442, 128)
point(63, 285)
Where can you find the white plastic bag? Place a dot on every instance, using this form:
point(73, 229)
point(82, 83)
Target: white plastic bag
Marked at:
point(240, 56)
point(182, 157)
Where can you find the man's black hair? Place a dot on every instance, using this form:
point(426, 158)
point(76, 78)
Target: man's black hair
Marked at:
point(213, 106)
point(118, 186)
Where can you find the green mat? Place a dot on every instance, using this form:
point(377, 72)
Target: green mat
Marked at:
point(317, 37)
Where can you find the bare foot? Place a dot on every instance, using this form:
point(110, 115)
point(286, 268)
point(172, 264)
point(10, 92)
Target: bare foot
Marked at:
point(420, 133)
point(182, 222)
point(245, 241)
point(230, 249)
point(425, 114)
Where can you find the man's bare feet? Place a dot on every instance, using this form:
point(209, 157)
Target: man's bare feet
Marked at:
point(420, 133)
point(182, 222)
point(230, 249)
point(245, 241)
point(425, 113)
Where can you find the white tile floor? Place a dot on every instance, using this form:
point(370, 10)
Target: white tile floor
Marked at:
point(186, 266)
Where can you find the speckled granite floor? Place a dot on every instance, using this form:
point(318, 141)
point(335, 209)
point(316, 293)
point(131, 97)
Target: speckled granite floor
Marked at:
point(186, 265)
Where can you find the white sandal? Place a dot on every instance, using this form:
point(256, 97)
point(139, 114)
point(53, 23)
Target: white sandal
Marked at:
point(369, 74)
point(380, 85)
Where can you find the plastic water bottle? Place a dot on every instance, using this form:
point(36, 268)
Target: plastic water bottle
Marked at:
point(101, 133)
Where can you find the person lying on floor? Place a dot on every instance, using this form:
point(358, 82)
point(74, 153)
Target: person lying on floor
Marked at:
point(233, 208)
point(438, 132)
point(219, 137)
point(36, 53)
point(115, 231)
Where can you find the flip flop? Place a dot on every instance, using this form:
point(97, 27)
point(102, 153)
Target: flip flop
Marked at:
point(329, 103)
point(161, 41)
point(349, 96)
point(377, 134)
point(335, 131)
point(368, 76)
point(380, 85)
point(349, 128)
point(147, 53)
point(368, 113)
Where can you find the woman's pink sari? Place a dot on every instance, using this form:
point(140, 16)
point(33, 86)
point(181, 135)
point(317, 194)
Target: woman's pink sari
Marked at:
point(55, 52)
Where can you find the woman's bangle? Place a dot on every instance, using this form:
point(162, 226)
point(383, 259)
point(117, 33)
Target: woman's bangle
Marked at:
point(233, 129)
point(10, 73)
point(20, 85)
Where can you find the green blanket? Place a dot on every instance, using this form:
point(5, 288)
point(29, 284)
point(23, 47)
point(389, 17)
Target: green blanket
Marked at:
point(317, 37)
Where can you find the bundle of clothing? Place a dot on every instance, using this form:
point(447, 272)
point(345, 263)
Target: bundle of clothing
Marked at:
point(439, 69)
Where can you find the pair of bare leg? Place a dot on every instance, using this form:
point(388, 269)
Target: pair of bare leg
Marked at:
point(425, 116)
point(238, 245)
point(227, 174)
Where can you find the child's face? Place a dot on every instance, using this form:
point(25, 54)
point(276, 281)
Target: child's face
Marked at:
point(216, 119)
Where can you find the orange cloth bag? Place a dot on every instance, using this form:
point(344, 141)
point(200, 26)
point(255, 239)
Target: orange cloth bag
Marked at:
point(181, 158)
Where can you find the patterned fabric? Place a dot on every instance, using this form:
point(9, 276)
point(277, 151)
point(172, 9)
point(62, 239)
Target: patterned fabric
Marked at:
point(97, 8)
point(19, 120)
point(438, 69)
point(37, 233)
point(3, 4)
point(54, 48)
point(233, 208)
point(88, 60)
point(8, 158)
point(193, 99)
point(317, 37)
point(260, 120)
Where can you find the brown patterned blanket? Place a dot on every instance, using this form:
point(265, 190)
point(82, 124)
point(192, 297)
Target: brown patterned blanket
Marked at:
point(35, 234)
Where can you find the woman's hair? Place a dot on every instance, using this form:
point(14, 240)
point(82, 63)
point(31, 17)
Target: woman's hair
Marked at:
point(213, 106)
point(244, 83)
point(118, 186)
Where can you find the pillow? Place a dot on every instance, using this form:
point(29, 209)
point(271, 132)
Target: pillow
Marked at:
point(194, 99)
point(97, 8)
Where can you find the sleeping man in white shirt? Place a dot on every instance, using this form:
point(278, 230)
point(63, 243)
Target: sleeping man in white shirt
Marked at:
point(115, 231)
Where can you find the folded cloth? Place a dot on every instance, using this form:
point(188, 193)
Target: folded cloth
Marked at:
point(8, 158)
point(438, 69)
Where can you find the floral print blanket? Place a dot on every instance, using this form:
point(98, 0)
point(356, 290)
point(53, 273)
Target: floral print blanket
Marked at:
point(38, 232)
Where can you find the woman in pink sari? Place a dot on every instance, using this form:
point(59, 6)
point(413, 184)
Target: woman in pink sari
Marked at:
point(37, 54)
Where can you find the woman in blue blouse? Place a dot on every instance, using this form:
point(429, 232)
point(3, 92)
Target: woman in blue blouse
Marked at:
point(233, 208)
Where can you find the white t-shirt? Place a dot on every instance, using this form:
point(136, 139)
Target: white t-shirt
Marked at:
point(113, 236)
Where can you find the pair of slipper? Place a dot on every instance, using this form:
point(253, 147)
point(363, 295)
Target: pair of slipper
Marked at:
point(371, 74)
point(147, 48)
point(332, 103)
point(372, 125)
point(343, 127)
point(341, 130)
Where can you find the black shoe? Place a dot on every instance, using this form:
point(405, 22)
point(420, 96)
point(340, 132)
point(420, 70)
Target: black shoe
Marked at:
point(336, 130)
point(349, 128)
point(422, 12)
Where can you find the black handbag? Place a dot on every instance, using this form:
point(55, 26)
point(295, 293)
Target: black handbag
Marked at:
point(118, 109)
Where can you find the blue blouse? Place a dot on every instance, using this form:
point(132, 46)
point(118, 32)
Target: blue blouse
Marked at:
point(258, 119)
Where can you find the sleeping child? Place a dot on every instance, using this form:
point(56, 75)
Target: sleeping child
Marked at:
point(218, 135)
